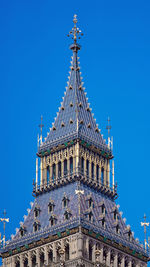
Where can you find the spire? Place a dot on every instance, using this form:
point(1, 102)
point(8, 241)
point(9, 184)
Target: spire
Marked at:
point(74, 119)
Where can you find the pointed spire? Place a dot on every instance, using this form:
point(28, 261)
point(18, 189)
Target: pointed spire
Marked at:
point(74, 119)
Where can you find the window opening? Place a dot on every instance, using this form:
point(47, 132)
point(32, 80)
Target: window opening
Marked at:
point(97, 173)
point(67, 252)
point(59, 169)
point(53, 172)
point(90, 252)
point(71, 165)
point(87, 167)
point(82, 164)
point(48, 173)
point(50, 255)
point(65, 167)
point(92, 170)
point(102, 176)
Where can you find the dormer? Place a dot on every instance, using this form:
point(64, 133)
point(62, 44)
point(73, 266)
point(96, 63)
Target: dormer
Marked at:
point(53, 220)
point(128, 233)
point(90, 201)
point(65, 201)
point(36, 226)
point(22, 230)
point(36, 211)
point(103, 209)
point(115, 214)
point(51, 206)
point(102, 220)
point(117, 229)
point(67, 214)
point(90, 217)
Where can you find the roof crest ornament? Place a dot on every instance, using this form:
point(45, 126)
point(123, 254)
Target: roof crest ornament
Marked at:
point(76, 33)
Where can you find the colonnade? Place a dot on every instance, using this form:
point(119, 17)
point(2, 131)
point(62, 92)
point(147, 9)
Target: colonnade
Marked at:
point(73, 161)
point(77, 246)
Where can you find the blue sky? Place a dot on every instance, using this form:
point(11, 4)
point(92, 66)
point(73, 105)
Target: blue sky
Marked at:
point(34, 65)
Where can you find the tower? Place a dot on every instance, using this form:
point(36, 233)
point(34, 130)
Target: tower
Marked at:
point(74, 220)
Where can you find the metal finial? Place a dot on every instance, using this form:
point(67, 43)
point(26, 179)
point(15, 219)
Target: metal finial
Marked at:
point(4, 220)
point(41, 127)
point(145, 224)
point(76, 33)
point(108, 127)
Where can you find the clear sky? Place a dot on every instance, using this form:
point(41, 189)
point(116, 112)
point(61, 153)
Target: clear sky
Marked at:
point(34, 65)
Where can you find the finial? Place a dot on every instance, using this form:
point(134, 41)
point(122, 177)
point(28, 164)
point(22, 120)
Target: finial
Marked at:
point(108, 127)
point(145, 224)
point(41, 127)
point(4, 220)
point(75, 32)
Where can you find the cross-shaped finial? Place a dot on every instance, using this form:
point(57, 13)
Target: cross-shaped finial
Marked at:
point(41, 127)
point(75, 32)
point(108, 127)
point(145, 224)
point(4, 220)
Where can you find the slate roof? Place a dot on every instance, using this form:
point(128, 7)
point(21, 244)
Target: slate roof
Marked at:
point(57, 196)
point(74, 119)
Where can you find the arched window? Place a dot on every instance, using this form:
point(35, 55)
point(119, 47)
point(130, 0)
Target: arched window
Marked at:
point(59, 169)
point(65, 167)
point(42, 259)
point(26, 262)
point(67, 252)
point(102, 176)
point(34, 261)
point(48, 173)
point(50, 256)
point(82, 165)
point(92, 171)
point(90, 252)
point(87, 168)
point(53, 172)
point(97, 173)
point(17, 264)
point(71, 165)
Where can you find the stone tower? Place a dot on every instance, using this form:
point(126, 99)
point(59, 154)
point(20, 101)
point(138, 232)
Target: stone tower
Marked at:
point(74, 220)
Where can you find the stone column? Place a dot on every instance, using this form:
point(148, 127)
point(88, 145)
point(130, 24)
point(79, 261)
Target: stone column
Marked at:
point(85, 167)
point(41, 166)
point(77, 156)
point(54, 253)
point(130, 263)
point(100, 172)
point(21, 261)
point(123, 261)
point(105, 168)
point(108, 257)
point(12, 261)
point(101, 255)
point(108, 172)
point(46, 255)
point(38, 258)
point(56, 172)
point(29, 259)
point(74, 164)
point(95, 171)
point(68, 163)
point(50, 174)
point(116, 260)
point(90, 168)
point(87, 247)
point(62, 168)
point(93, 252)
point(80, 245)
